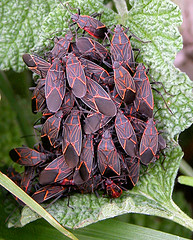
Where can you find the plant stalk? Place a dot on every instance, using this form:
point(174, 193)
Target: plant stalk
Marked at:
point(121, 7)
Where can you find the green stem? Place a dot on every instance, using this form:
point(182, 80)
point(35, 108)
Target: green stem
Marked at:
point(186, 169)
point(7, 90)
point(180, 217)
point(121, 7)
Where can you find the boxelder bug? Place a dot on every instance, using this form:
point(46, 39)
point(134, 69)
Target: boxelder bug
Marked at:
point(98, 99)
point(72, 139)
point(121, 49)
point(55, 171)
point(95, 71)
point(55, 86)
point(27, 178)
point(27, 156)
point(94, 122)
point(48, 192)
point(112, 189)
point(124, 83)
point(90, 185)
point(51, 128)
point(36, 64)
point(133, 165)
point(86, 158)
point(125, 134)
point(38, 97)
point(94, 50)
point(61, 47)
point(76, 76)
point(107, 156)
point(149, 143)
point(144, 102)
point(91, 25)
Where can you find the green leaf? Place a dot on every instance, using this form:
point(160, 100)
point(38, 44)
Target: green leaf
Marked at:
point(108, 229)
point(20, 27)
point(17, 191)
point(156, 21)
point(186, 180)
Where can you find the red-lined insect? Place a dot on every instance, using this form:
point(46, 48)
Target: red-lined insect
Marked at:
point(72, 138)
point(144, 102)
point(38, 97)
point(27, 179)
point(36, 64)
point(48, 192)
point(14, 175)
point(90, 24)
point(90, 185)
point(116, 98)
point(98, 99)
point(55, 86)
point(124, 83)
point(149, 143)
point(94, 50)
point(67, 181)
point(107, 156)
point(51, 128)
point(74, 49)
point(16, 178)
point(76, 76)
point(97, 73)
point(61, 47)
point(95, 121)
point(112, 189)
point(133, 165)
point(56, 171)
point(27, 156)
point(126, 134)
point(86, 158)
point(121, 49)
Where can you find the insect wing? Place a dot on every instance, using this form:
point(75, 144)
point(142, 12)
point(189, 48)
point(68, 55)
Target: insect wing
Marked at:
point(72, 139)
point(92, 123)
point(149, 143)
point(86, 158)
point(76, 76)
point(107, 155)
point(56, 171)
point(61, 46)
point(144, 102)
point(98, 73)
point(124, 83)
point(133, 165)
point(126, 134)
point(27, 156)
point(36, 64)
point(121, 47)
point(51, 128)
point(48, 192)
point(38, 97)
point(93, 49)
point(26, 181)
point(98, 99)
point(55, 86)
point(68, 103)
point(93, 26)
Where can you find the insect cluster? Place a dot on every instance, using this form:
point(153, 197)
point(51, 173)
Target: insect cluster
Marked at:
point(97, 125)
